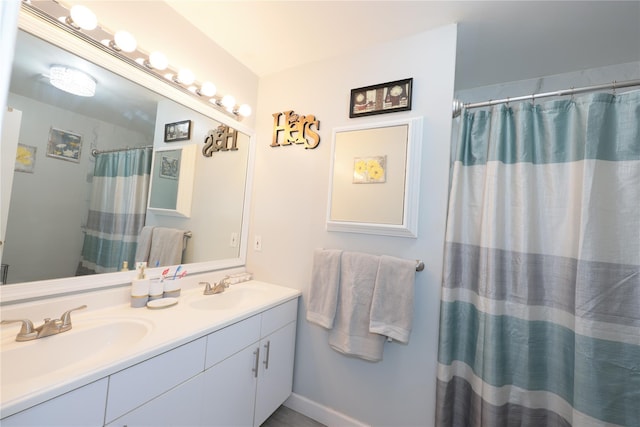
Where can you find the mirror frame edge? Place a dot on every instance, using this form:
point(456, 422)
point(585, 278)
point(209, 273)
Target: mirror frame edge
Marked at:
point(20, 292)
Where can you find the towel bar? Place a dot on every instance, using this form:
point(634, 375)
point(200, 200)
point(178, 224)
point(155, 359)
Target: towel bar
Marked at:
point(419, 265)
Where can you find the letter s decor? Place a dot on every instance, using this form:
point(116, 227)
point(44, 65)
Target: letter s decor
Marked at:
point(221, 139)
point(295, 129)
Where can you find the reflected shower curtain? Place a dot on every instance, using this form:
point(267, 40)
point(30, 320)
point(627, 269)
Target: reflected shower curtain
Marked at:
point(117, 210)
point(540, 308)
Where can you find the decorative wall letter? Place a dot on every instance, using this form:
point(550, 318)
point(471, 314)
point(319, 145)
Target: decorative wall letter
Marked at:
point(219, 140)
point(295, 129)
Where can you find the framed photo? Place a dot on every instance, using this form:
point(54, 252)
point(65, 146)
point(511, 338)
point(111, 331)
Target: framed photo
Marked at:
point(169, 167)
point(382, 98)
point(178, 131)
point(25, 158)
point(64, 145)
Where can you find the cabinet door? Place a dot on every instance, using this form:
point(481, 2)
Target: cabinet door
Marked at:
point(179, 406)
point(230, 388)
point(275, 379)
point(81, 407)
point(134, 386)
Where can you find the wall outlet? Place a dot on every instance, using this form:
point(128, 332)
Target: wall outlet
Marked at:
point(257, 243)
point(233, 241)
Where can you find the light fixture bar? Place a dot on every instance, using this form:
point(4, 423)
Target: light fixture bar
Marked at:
point(94, 37)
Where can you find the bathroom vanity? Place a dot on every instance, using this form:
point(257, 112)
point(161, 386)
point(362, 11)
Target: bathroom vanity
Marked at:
point(224, 359)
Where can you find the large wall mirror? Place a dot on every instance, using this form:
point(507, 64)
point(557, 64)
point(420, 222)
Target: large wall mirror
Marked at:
point(51, 196)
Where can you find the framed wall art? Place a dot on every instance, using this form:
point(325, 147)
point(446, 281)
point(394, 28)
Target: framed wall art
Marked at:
point(169, 167)
point(64, 145)
point(382, 98)
point(178, 131)
point(375, 178)
point(25, 158)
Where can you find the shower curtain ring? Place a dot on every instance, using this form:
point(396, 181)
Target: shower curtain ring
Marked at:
point(613, 85)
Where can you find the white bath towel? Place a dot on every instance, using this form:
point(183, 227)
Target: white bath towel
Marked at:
point(350, 334)
point(166, 247)
point(392, 305)
point(144, 244)
point(323, 291)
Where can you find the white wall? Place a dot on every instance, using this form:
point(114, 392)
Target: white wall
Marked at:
point(289, 212)
point(51, 204)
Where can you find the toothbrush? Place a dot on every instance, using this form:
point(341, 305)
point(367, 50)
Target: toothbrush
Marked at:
point(176, 273)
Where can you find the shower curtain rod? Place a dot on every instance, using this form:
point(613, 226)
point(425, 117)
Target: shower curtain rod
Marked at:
point(459, 105)
point(95, 151)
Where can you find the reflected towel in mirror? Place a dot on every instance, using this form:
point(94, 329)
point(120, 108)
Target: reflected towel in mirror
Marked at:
point(144, 244)
point(167, 245)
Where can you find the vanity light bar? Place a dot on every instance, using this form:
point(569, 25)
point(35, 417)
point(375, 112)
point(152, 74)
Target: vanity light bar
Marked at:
point(79, 21)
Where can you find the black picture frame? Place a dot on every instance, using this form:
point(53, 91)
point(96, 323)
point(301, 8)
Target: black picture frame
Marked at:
point(178, 131)
point(382, 98)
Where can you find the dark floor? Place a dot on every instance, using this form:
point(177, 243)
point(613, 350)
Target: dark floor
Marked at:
point(285, 417)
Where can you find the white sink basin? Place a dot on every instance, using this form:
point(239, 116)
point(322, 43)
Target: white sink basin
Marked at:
point(234, 297)
point(85, 343)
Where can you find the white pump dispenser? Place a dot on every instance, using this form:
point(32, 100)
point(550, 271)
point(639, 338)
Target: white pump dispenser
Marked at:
point(140, 287)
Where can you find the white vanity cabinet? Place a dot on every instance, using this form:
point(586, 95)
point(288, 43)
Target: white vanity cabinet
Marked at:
point(243, 389)
point(244, 372)
point(275, 375)
point(80, 407)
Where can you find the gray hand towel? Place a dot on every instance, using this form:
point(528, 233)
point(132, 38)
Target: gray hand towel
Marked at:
point(392, 304)
point(323, 291)
point(350, 334)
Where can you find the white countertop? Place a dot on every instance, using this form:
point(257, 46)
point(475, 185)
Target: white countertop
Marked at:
point(167, 328)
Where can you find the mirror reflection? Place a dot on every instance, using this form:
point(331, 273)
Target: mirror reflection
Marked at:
point(61, 209)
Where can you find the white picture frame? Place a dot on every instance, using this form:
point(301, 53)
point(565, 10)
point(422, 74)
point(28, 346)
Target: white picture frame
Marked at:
point(388, 208)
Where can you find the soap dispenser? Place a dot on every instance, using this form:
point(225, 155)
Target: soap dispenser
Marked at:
point(140, 287)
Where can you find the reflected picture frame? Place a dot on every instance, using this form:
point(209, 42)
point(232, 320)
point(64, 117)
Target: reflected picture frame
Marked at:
point(177, 131)
point(64, 145)
point(382, 98)
point(387, 206)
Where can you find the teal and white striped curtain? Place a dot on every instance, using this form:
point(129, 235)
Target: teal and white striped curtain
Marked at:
point(117, 210)
point(540, 309)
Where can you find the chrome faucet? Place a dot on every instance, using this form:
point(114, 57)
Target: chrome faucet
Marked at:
point(49, 327)
point(217, 287)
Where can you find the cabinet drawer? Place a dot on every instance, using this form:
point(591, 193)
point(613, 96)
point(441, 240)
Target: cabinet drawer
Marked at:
point(81, 407)
point(230, 340)
point(140, 383)
point(279, 316)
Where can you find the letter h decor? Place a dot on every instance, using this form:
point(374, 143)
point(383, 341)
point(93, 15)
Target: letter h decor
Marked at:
point(295, 129)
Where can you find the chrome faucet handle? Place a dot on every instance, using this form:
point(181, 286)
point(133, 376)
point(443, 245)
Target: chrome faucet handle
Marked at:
point(207, 288)
point(224, 281)
point(27, 331)
point(66, 317)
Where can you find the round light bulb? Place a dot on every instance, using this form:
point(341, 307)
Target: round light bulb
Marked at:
point(244, 110)
point(228, 101)
point(83, 17)
point(125, 41)
point(186, 77)
point(158, 60)
point(208, 89)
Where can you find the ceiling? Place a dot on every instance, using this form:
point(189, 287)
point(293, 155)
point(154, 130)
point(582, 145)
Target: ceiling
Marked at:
point(498, 41)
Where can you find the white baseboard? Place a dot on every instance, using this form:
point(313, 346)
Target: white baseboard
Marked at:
point(322, 414)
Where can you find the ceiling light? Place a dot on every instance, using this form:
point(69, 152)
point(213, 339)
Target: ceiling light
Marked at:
point(124, 41)
point(158, 60)
point(207, 89)
point(72, 80)
point(82, 17)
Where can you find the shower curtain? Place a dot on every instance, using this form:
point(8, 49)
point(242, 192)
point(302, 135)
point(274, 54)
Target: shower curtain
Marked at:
point(117, 210)
point(540, 306)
